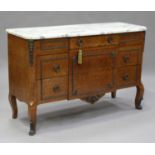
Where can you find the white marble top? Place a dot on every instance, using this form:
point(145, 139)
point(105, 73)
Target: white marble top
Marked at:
point(75, 30)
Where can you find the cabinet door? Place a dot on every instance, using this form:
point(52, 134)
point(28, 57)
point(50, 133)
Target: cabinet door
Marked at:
point(95, 75)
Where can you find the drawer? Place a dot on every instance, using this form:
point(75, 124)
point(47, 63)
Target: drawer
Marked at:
point(51, 46)
point(53, 88)
point(131, 38)
point(52, 66)
point(93, 41)
point(93, 61)
point(127, 76)
point(128, 57)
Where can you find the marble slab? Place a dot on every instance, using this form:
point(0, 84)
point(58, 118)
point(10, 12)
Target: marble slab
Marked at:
point(36, 33)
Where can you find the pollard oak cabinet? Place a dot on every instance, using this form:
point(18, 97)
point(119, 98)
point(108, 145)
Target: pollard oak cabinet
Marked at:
point(74, 61)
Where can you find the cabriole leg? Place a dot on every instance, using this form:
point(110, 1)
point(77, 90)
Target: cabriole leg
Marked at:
point(13, 103)
point(32, 111)
point(139, 96)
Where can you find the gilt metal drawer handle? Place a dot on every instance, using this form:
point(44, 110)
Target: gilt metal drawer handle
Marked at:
point(56, 88)
point(125, 77)
point(126, 58)
point(110, 85)
point(113, 54)
point(56, 68)
point(109, 40)
point(79, 43)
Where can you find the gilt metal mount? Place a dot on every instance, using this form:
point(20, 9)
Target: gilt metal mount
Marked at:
point(92, 99)
point(31, 54)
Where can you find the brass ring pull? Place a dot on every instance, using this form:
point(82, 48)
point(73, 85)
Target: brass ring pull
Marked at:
point(79, 43)
point(126, 58)
point(109, 85)
point(110, 40)
point(56, 68)
point(56, 88)
point(125, 77)
point(113, 54)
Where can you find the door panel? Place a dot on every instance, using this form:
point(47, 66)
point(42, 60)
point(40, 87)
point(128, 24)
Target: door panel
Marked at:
point(94, 75)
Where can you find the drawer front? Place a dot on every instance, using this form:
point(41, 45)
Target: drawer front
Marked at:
point(94, 41)
point(127, 76)
point(131, 38)
point(94, 75)
point(94, 61)
point(54, 88)
point(51, 46)
point(53, 66)
point(128, 57)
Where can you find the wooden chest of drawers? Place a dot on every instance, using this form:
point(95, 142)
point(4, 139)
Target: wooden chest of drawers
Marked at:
point(83, 66)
